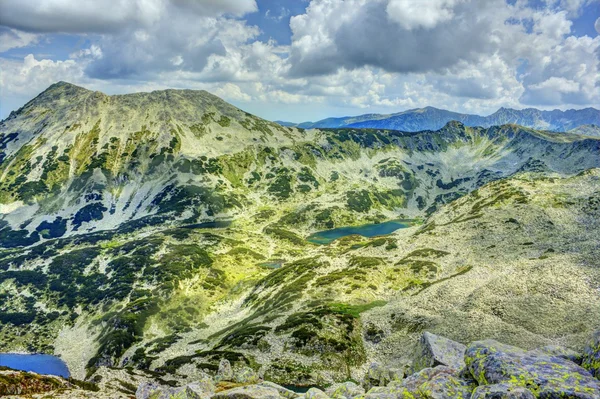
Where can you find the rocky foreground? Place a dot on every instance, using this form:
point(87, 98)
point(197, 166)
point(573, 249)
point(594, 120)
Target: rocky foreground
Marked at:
point(441, 369)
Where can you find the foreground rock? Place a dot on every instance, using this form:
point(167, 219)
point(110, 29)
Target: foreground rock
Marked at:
point(249, 392)
point(434, 350)
point(502, 391)
point(591, 357)
point(491, 362)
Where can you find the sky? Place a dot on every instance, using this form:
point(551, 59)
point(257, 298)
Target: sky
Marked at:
point(304, 60)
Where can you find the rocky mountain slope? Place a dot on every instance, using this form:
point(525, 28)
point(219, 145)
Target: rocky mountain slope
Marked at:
point(166, 231)
point(430, 118)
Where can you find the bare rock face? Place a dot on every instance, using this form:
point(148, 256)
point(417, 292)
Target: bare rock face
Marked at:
point(434, 350)
point(491, 362)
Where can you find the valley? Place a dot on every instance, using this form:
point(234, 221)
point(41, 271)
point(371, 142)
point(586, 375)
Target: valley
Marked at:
point(167, 231)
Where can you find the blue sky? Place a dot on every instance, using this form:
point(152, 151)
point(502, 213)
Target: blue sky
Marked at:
point(309, 59)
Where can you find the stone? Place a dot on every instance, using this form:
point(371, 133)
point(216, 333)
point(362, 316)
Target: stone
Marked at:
point(151, 390)
point(284, 392)
point(145, 389)
point(225, 372)
point(376, 376)
point(502, 391)
point(315, 393)
point(413, 382)
point(559, 351)
point(591, 356)
point(245, 375)
point(385, 393)
point(347, 389)
point(434, 350)
point(549, 377)
point(444, 386)
point(248, 392)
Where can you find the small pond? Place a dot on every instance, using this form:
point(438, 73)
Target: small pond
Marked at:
point(41, 364)
point(365, 230)
point(272, 264)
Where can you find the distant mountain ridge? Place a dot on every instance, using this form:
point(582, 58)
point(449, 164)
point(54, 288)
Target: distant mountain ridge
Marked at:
point(430, 118)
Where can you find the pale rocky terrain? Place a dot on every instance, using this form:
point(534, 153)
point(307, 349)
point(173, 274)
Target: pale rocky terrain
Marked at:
point(107, 259)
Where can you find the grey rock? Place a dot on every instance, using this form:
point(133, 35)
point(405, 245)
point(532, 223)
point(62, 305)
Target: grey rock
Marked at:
point(413, 382)
point(491, 362)
point(434, 350)
point(385, 393)
point(559, 351)
point(502, 391)
point(156, 391)
point(444, 386)
point(248, 392)
point(347, 389)
point(591, 356)
point(284, 392)
point(245, 375)
point(225, 372)
point(315, 393)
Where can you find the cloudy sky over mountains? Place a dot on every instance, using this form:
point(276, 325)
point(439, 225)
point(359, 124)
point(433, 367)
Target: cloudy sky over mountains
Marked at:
point(304, 60)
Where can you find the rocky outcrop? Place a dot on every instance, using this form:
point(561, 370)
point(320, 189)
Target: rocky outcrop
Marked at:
point(434, 350)
point(547, 376)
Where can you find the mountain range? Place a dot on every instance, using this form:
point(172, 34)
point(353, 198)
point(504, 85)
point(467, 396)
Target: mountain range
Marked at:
point(430, 118)
point(170, 230)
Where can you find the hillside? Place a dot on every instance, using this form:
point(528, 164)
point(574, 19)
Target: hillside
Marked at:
point(166, 231)
point(430, 118)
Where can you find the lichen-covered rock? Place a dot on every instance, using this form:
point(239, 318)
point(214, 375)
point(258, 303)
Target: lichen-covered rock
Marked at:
point(145, 389)
point(347, 389)
point(502, 391)
point(315, 393)
point(591, 356)
point(225, 372)
point(248, 392)
point(385, 393)
point(245, 375)
point(548, 377)
point(559, 351)
point(434, 350)
point(379, 376)
point(414, 381)
point(284, 392)
point(444, 386)
point(151, 390)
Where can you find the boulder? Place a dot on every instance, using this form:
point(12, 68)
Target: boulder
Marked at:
point(491, 362)
point(413, 382)
point(591, 356)
point(315, 393)
point(502, 391)
point(559, 351)
point(284, 392)
point(225, 372)
point(245, 375)
point(385, 393)
point(248, 392)
point(151, 390)
point(347, 389)
point(434, 350)
point(379, 376)
point(444, 386)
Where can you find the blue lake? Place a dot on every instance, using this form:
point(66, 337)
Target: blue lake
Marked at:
point(41, 364)
point(366, 230)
